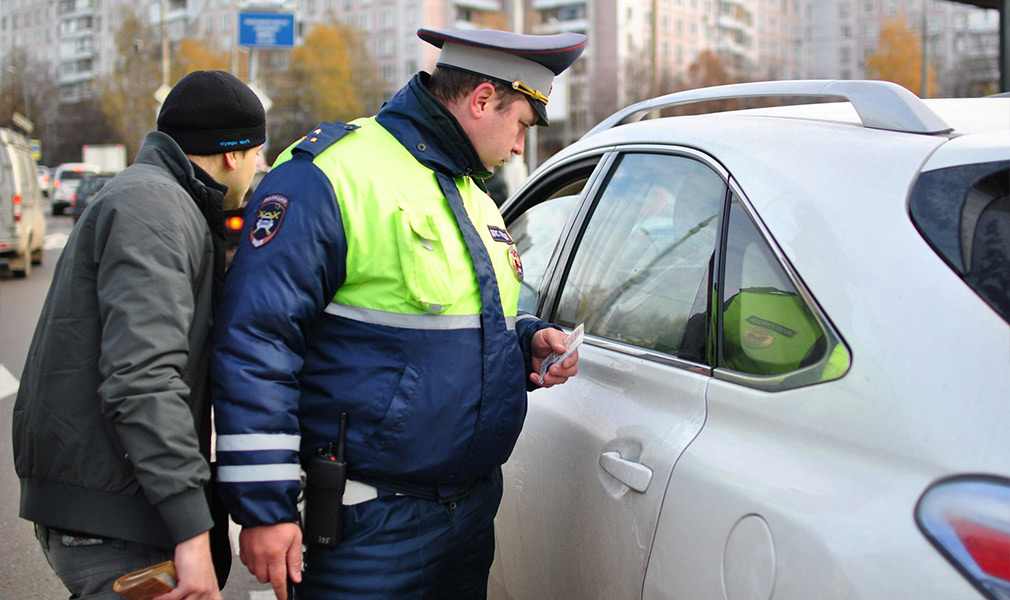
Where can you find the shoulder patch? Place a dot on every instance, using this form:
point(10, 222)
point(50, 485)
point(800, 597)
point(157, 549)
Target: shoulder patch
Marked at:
point(322, 137)
point(269, 216)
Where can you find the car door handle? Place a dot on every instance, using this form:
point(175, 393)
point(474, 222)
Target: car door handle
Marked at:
point(635, 475)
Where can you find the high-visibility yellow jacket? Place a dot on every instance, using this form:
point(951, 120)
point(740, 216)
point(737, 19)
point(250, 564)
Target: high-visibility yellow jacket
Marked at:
point(355, 292)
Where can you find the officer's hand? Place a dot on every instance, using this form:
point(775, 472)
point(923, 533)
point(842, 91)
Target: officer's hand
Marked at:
point(273, 553)
point(544, 342)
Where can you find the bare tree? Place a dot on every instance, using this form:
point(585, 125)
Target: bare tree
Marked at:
point(127, 94)
point(26, 89)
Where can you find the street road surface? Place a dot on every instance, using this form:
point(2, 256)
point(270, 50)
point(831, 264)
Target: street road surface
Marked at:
point(24, 573)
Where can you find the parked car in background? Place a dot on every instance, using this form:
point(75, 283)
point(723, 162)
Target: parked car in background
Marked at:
point(88, 187)
point(795, 376)
point(45, 180)
point(22, 221)
point(66, 178)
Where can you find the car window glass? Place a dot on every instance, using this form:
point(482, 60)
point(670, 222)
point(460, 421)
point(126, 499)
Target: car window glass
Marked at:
point(767, 327)
point(645, 252)
point(964, 214)
point(536, 233)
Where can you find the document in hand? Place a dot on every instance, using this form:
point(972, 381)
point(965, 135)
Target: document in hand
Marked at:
point(147, 583)
point(572, 342)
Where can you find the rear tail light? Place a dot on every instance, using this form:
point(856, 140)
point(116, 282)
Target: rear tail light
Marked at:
point(73, 200)
point(17, 208)
point(234, 223)
point(968, 520)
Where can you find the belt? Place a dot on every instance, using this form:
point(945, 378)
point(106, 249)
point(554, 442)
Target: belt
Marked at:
point(356, 492)
point(441, 494)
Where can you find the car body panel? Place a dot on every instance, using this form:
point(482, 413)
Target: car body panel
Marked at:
point(798, 493)
point(652, 432)
point(984, 147)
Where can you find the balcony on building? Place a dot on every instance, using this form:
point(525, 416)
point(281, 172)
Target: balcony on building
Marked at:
point(552, 27)
point(76, 54)
point(728, 22)
point(561, 17)
point(66, 9)
point(549, 4)
point(482, 5)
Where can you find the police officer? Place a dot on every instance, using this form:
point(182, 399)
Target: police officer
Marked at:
point(376, 280)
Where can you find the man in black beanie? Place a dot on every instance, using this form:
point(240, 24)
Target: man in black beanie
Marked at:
point(112, 420)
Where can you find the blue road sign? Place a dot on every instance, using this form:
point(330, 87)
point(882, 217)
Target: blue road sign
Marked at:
point(266, 30)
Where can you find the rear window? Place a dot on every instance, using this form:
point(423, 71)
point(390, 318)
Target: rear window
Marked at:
point(964, 214)
point(73, 175)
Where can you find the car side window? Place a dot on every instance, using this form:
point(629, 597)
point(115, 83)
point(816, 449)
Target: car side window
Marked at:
point(536, 233)
point(644, 255)
point(767, 327)
point(964, 214)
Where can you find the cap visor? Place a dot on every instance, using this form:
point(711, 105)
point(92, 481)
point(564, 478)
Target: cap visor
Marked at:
point(541, 110)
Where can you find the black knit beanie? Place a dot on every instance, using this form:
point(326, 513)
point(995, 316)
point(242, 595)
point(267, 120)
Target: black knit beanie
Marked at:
point(212, 112)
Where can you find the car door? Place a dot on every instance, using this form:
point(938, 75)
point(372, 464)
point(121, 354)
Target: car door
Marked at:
point(630, 261)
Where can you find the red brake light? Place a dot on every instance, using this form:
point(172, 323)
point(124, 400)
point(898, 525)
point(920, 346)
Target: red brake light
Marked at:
point(17, 208)
point(234, 223)
point(989, 547)
point(966, 519)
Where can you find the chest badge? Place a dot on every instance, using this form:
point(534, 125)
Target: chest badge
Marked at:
point(500, 235)
point(269, 217)
point(515, 262)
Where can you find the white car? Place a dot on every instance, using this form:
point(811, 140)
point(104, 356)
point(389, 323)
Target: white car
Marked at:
point(795, 379)
point(66, 178)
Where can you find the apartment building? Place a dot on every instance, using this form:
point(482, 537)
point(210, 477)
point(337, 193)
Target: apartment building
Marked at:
point(779, 34)
point(637, 47)
point(962, 41)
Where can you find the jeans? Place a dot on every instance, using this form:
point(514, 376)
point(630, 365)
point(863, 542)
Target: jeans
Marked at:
point(88, 566)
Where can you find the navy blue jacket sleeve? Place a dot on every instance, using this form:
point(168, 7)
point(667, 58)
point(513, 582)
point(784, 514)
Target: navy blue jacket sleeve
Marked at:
point(289, 264)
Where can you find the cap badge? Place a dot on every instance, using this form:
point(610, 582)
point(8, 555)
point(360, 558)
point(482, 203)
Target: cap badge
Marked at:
point(522, 88)
point(269, 216)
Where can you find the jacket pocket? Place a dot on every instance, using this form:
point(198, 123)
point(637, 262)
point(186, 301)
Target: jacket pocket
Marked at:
point(390, 431)
point(427, 272)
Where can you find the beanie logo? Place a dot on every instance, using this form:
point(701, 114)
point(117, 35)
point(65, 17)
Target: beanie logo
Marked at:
point(269, 216)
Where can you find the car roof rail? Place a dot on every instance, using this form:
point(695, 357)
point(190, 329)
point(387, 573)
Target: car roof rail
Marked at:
point(880, 104)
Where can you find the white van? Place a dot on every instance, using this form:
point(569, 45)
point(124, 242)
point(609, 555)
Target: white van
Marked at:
point(22, 221)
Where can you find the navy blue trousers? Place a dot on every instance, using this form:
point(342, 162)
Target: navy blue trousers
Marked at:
point(400, 547)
